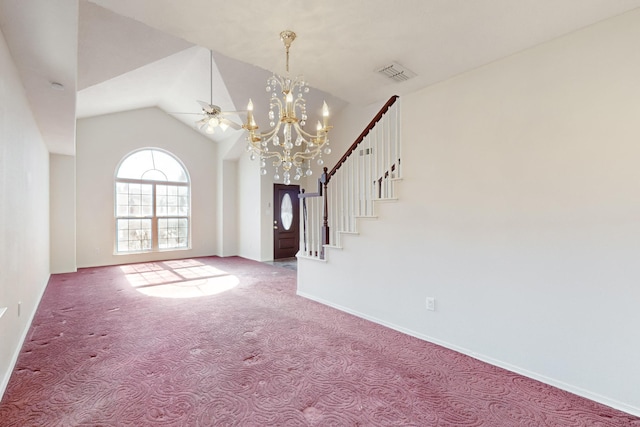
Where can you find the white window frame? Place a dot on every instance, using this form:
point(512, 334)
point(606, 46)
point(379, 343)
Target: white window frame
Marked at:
point(151, 213)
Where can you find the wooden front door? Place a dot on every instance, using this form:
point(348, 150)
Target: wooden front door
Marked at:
point(286, 221)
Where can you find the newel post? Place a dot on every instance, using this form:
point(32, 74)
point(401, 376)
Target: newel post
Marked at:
point(325, 207)
point(304, 220)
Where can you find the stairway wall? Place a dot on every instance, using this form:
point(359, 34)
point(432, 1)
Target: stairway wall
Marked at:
point(519, 212)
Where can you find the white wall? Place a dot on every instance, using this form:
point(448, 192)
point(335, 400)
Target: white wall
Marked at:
point(249, 209)
point(63, 213)
point(348, 124)
point(102, 142)
point(520, 213)
point(24, 214)
point(227, 208)
point(266, 222)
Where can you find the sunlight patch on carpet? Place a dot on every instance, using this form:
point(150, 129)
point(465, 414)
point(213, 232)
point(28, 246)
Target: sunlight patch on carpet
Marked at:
point(192, 288)
point(178, 279)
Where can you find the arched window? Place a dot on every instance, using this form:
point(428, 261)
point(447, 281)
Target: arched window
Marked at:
point(152, 202)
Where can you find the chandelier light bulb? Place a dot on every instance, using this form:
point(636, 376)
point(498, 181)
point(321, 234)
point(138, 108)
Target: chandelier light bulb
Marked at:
point(325, 113)
point(250, 120)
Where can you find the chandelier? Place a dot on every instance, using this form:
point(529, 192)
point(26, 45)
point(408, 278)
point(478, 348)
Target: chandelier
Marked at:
point(289, 146)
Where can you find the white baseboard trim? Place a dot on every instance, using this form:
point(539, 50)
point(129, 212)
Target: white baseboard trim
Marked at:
point(518, 370)
point(7, 375)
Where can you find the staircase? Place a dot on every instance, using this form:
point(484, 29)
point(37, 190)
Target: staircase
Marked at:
point(365, 174)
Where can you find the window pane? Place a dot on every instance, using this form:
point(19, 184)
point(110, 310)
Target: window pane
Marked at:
point(122, 187)
point(167, 205)
point(152, 165)
point(135, 165)
point(134, 200)
point(286, 212)
point(169, 166)
point(154, 175)
point(134, 235)
point(172, 233)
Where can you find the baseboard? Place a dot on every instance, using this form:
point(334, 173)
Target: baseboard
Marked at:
point(7, 375)
point(509, 367)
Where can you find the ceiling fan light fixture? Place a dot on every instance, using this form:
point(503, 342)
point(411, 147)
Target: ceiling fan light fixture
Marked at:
point(212, 115)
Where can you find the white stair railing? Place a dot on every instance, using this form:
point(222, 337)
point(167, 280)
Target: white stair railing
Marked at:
point(363, 175)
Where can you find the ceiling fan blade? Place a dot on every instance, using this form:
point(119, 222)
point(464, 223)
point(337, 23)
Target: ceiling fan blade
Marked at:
point(206, 107)
point(233, 112)
point(202, 123)
point(197, 114)
point(231, 124)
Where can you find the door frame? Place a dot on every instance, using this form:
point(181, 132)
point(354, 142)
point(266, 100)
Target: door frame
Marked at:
point(278, 250)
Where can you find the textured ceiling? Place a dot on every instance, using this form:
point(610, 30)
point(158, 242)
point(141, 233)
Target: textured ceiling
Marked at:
point(136, 53)
point(340, 43)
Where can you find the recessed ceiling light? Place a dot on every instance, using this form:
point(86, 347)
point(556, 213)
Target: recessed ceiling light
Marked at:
point(57, 86)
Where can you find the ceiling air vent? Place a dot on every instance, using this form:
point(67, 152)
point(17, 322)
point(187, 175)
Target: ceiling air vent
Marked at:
point(396, 72)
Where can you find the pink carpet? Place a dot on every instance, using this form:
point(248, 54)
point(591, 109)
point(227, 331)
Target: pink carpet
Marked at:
point(109, 347)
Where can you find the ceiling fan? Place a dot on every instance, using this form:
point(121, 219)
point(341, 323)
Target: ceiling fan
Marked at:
point(212, 115)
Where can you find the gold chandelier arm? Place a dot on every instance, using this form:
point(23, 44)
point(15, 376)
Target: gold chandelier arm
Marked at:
point(271, 154)
point(322, 134)
point(267, 136)
point(299, 102)
point(301, 156)
point(280, 106)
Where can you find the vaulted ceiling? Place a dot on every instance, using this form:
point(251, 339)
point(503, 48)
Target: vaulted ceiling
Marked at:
point(116, 55)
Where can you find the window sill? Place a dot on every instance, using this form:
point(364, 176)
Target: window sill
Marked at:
point(159, 251)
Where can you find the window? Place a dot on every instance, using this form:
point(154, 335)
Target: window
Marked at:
point(152, 202)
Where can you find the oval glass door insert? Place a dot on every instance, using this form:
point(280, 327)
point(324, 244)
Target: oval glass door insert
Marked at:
point(286, 212)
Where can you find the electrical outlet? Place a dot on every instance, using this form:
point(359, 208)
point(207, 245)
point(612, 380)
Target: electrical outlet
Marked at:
point(431, 304)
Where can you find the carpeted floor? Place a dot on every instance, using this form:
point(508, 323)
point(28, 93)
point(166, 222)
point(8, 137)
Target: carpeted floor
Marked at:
point(226, 342)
